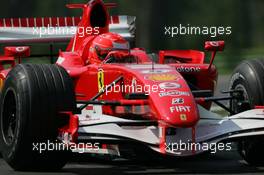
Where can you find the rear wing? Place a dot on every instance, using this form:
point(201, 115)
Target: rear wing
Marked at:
point(56, 29)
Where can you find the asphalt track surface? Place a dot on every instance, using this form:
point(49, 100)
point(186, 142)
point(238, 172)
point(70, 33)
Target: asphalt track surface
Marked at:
point(220, 163)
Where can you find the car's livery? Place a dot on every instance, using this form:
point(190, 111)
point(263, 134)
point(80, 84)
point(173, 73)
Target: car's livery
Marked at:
point(114, 97)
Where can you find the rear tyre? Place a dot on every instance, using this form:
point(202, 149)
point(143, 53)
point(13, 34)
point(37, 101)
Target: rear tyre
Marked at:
point(30, 102)
point(248, 78)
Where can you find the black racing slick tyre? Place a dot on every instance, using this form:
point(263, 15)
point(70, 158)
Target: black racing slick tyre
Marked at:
point(31, 100)
point(248, 80)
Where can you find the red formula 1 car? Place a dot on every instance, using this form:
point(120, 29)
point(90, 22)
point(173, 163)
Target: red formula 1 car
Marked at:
point(104, 97)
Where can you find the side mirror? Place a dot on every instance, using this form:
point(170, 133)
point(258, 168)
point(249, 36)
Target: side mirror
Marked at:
point(17, 52)
point(214, 45)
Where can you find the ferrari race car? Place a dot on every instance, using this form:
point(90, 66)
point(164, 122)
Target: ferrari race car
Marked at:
point(104, 97)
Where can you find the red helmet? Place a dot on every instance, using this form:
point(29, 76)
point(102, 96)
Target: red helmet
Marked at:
point(107, 42)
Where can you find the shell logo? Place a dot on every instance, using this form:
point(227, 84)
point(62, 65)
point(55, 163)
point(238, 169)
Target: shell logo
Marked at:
point(163, 77)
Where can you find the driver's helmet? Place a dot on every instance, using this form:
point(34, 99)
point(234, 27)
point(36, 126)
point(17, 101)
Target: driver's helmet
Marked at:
point(107, 42)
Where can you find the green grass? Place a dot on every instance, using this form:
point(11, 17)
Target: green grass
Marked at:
point(41, 60)
point(226, 61)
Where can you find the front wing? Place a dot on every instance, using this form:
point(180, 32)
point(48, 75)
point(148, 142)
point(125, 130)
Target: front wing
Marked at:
point(212, 128)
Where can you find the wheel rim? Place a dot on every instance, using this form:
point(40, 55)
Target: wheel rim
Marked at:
point(242, 103)
point(9, 117)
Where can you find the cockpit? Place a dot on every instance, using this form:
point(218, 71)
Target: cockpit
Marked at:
point(112, 48)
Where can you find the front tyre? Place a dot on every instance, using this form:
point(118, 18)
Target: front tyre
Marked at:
point(30, 102)
point(248, 80)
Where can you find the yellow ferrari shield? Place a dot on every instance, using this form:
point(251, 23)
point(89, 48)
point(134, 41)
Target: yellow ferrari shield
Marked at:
point(100, 78)
point(183, 117)
point(1, 83)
